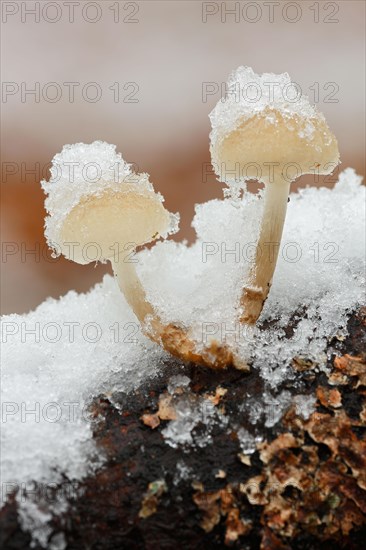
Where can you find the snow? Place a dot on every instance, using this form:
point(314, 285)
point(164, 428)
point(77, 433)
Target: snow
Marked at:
point(249, 94)
point(55, 360)
point(183, 472)
point(248, 443)
point(196, 418)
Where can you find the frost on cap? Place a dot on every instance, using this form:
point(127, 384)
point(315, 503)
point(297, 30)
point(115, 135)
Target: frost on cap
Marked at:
point(82, 173)
point(265, 118)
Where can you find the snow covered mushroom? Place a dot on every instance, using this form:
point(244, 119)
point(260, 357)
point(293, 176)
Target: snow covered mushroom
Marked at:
point(262, 131)
point(100, 210)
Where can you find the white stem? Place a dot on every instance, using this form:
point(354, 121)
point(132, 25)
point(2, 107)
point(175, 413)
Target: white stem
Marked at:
point(131, 286)
point(261, 273)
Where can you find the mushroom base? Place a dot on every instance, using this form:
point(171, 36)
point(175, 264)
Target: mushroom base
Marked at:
point(177, 342)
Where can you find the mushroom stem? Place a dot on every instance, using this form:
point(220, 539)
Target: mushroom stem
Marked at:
point(131, 287)
point(173, 338)
point(261, 274)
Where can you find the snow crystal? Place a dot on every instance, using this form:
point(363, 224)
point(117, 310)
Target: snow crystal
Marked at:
point(35, 520)
point(248, 443)
point(249, 93)
point(196, 417)
point(267, 408)
point(177, 381)
point(305, 405)
point(183, 472)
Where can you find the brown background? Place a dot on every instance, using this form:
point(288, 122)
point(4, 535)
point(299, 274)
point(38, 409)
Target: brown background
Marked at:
point(170, 52)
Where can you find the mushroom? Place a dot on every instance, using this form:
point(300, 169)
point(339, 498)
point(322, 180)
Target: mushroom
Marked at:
point(100, 214)
point(273, 140)
point(105, 216)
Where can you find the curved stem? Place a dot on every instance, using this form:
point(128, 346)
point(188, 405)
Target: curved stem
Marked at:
point(173, 338)
point(261, 274)
point(131, 287)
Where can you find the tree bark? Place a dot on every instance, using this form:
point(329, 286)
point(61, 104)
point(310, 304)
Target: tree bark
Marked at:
point(303, 488)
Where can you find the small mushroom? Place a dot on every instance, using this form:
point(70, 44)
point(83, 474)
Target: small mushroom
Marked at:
point(274, 141)
point(103, 213)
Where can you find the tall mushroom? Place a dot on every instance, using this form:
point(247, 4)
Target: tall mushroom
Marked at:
point(100, 210)
point(265, 129)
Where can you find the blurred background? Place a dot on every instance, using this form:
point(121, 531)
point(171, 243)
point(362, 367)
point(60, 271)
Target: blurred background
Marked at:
point(144, 75)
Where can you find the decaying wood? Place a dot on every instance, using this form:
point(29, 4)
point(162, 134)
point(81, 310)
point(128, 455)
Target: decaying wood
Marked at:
point(303, 488)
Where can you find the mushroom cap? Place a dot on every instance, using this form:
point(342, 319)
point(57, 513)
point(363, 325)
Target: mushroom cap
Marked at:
point(271, 136)
point(97, 205)
point(107, 226)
